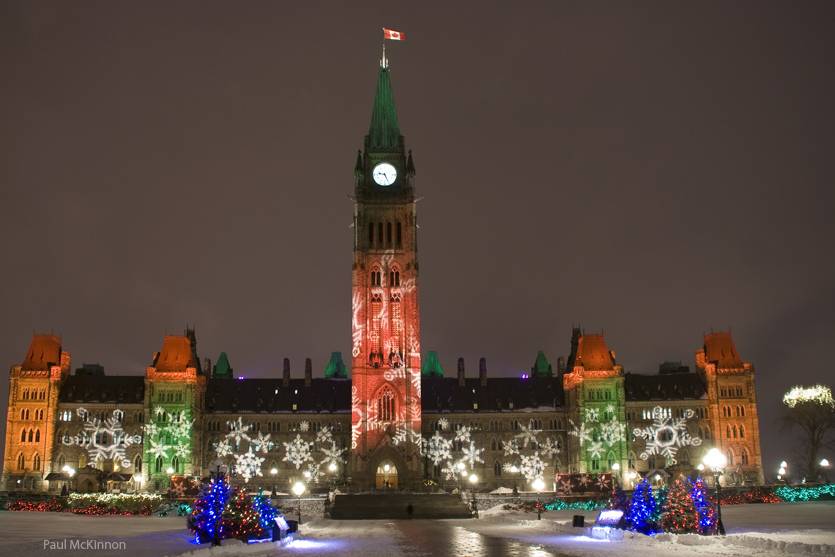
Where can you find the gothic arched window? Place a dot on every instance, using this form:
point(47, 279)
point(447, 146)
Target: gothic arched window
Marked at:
point(21, 461)
point(386, 405)
point(23, 436)
point(137, 463)
point(158, 465)
point(497, 469)
point(399, 237)
point(36, 462)
point(744, 456)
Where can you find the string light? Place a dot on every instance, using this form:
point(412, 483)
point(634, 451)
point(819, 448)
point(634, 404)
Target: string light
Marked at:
point(819, 394)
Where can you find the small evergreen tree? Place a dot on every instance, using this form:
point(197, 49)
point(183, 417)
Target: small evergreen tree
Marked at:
point(240, 519)
point(206, 520)
point(704, 506)
point(679, 515)
point(266, 512)
point(641, 509)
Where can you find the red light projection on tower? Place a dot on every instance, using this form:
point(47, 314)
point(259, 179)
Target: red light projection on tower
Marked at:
point(385, 394)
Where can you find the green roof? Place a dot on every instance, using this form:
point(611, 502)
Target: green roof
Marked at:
point(431, 366)
point(222, 368)
point(542, 367)
point(384, 132)
point(336, 367)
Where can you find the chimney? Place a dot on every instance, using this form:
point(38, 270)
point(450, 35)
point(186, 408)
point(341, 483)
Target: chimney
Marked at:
point(482, 371)
point(308, 372)
point(285, 380)
point(460, 372)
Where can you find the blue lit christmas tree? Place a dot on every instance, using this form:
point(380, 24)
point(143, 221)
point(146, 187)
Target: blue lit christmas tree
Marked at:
point(266, 512)
point(704, 507)
point(642, 508)
point(206, 521)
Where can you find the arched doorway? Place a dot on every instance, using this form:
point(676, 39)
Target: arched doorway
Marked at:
point(386, 475)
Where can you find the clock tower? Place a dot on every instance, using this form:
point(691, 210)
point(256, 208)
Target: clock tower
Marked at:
point(385, 364)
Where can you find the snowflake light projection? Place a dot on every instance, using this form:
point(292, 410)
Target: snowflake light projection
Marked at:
point(455, 454)
point(471, 454)
point(527, 451)
point(223, 448)
point(297, 451)
point(104, 439)
point(443, 423)
point(238, 431)
point(302, 453)
point(170, 434)
point(438, 449)
point(261, 443)
point(599, 431)
point(248, 465)
point(304, 426)
point(666, 435)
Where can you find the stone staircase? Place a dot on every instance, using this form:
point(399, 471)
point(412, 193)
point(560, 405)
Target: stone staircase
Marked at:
point(394, 505)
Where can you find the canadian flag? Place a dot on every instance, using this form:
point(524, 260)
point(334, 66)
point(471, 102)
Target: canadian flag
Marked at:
point(393, 35)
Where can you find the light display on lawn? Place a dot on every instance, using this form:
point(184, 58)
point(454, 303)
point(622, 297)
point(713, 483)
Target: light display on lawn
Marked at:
point(666, 435)
point(103, 439)
point(169, 435)
point(598, 432)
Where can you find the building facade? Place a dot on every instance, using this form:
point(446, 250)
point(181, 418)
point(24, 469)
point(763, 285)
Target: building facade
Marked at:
point(370, 425)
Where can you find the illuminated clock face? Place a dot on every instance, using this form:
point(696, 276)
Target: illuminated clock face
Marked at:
point(384, 174)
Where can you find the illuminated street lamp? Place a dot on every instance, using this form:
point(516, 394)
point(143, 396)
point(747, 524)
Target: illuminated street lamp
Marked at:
point(538, 484)
point(716, 461)
point(169, 470)
point(473, 503)
point(332, 467)
point(824, 464)
point(298, 489)
point(615, 476)
point(273, 473)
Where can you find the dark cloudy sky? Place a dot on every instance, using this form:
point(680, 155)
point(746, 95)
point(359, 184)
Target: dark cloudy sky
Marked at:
point(651, 169)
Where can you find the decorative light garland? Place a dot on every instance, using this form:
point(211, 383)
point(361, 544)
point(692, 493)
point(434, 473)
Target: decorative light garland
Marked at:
point(810, 493)
point(820, 394)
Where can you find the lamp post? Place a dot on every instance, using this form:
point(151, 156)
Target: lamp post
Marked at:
point(473, 503)
point(538, 484)
point(716, 461)
point(298, 489)
point(70, 472)
point(824, 464)
point(615, 474)
point(273, 473)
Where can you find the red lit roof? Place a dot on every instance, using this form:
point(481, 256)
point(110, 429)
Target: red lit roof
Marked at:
point(176, 354)
point(593, 354)
point(720, 350)
point(44, 352)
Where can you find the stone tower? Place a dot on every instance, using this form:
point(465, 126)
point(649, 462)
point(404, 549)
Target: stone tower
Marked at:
point(732, 406)
point(32, 413)
point(385, 355)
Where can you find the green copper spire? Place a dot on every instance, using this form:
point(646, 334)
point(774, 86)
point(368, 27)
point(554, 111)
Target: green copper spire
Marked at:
point(431, 366)
point(542, 367)
point(384, 132)
point(222, 368)
point(336, 367)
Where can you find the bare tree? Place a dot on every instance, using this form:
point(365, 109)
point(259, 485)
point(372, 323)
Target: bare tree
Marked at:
point(812, 410)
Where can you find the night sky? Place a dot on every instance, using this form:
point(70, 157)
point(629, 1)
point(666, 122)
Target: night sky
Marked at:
point(653, 170)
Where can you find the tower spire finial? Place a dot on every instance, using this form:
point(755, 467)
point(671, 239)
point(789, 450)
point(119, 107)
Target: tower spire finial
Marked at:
point(384, 62)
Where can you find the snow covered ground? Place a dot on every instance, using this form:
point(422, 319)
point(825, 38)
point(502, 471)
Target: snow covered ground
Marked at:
point(768, 530)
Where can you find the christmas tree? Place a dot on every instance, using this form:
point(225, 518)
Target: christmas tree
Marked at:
point(660, 501)
point(240, 519)
point(266, 512)
point(679, 515)
point(641, 509)
point(206, 517)
point(704, 507)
